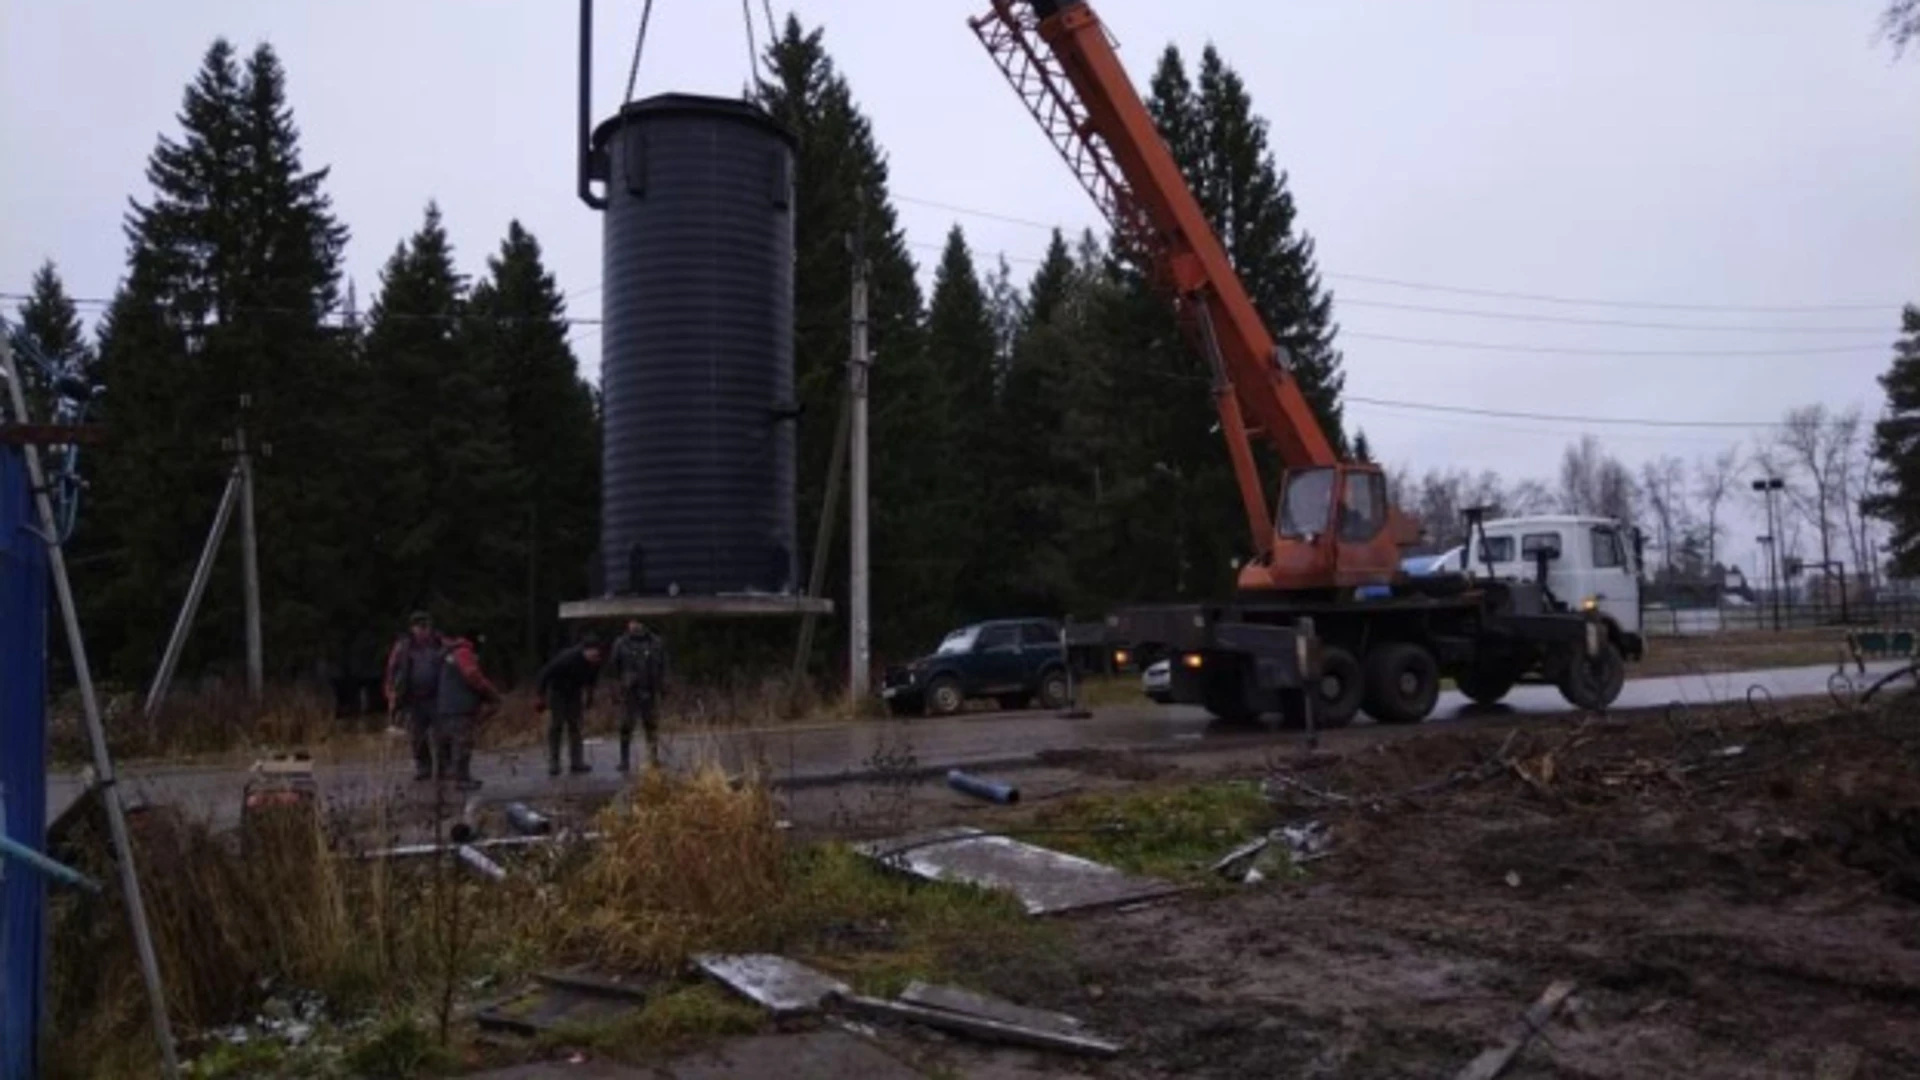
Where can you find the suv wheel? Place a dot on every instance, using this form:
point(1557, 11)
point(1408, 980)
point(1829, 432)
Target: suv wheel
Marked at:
point(1053, 690)
point(944, 697)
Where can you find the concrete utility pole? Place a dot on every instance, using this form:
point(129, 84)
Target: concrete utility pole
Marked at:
point(1766, 486)
point(859, 363)
point(190, 607)
point(249, 554)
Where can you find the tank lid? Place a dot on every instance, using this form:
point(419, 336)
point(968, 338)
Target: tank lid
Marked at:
point(734, 109)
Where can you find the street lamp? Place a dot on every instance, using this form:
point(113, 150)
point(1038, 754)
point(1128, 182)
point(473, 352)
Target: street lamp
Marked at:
point(1766, 486)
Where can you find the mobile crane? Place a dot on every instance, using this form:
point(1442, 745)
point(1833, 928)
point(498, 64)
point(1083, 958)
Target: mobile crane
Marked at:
point(1323, 617)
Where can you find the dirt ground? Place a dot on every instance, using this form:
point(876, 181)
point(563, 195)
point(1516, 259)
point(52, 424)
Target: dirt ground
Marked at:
point(1734, 895)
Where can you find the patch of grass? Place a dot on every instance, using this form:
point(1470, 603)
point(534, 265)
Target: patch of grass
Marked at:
point(225, 1060)
point(401, 1047)
point(673, 1018)
point(1162, 831)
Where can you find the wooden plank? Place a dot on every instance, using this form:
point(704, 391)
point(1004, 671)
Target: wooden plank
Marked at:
point(1495, 1060)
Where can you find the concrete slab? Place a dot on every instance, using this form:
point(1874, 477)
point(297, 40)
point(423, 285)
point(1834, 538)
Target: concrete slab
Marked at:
point(732, 605)
point(783, 987)
point(1046, 882)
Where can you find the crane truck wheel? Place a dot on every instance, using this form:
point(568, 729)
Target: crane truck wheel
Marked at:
point(1402, 683)
point(1593, 682)
point(1340, 688)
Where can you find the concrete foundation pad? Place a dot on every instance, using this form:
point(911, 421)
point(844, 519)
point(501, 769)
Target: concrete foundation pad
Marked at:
point(728, 606)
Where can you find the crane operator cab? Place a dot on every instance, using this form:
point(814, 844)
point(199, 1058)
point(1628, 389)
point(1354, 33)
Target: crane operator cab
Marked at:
point(1333, 529)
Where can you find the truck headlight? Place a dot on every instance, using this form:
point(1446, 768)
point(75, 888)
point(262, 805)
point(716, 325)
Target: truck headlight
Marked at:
point(1193, 660)
point(1591, 603)
point(1121, 658)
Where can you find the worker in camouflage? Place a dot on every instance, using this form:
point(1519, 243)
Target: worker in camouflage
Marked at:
point(413, 686)
point(565, 686)
point(640, 664)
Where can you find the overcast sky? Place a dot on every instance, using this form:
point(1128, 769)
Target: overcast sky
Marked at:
point(1757, 154)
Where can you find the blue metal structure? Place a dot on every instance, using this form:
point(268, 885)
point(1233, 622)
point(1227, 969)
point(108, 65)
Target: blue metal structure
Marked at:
point(23, 768)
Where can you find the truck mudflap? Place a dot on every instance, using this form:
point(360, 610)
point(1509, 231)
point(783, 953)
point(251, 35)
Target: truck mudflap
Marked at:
point(1276, 657)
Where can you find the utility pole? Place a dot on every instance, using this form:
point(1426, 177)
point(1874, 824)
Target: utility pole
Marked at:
point(249, 553)
point(858, 366)
point(1766, 486)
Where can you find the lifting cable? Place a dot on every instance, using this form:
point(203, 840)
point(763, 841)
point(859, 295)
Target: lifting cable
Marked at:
point(639, 43)
point(753, 50)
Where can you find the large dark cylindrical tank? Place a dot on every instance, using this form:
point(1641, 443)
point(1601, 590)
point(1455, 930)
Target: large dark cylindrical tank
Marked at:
point(697, 489)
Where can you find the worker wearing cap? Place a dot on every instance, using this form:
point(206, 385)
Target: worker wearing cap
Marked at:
point(413, 686)
point(640, 663)
point(464, 690)
point(565, 686)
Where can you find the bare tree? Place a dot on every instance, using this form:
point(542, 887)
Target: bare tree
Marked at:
point(1528, 497)
point(1664, 481)
point(1714, 480)
point(1820, 449)
point(1593, 481)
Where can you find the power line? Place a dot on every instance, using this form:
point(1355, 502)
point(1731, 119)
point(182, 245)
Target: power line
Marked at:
point(1461, 290)
point(336, 314)
point(1558, 418)
point(1574, 320)
point(1567, 350)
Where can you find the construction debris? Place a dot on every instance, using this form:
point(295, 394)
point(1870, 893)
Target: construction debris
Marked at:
point(978, 1027)
point(955, 1000)
point(1495, 1060)
point(1259, 859)
point(783, 987)
point(562, 998)
point(527, 821)
point(1045, 881)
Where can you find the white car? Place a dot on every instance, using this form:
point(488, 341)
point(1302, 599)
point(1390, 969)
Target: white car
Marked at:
point(1157, 682)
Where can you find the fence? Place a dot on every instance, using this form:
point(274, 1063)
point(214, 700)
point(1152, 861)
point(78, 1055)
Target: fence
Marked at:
point(1759, 616)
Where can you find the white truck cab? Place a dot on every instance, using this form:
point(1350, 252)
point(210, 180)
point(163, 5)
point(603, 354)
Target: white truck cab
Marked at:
point(1591, 563)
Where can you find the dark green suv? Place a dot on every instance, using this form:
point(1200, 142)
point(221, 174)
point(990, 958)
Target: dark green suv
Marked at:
point(1010, 661)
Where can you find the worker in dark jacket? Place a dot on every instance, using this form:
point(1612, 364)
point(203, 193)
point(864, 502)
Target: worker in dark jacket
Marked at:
point(464, 689)
point(640, 663)
point(565, 686)
point(413, 686)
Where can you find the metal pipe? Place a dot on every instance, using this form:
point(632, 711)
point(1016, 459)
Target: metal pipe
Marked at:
point(527, 821)
point(587, 196)
point(487, 867)
point(96, 734)
point(59, 871)
point(981, 788)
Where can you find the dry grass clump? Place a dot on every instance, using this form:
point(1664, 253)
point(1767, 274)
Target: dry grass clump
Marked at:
point(685, 864)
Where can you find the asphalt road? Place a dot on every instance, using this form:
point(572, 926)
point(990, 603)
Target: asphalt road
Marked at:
point(803, 756)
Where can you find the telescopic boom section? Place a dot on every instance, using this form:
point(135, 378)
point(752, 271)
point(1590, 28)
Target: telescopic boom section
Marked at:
point(1072, 80)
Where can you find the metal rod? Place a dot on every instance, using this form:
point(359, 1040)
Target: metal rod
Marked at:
point(823, 538)
point(584, 179)
point(59, 871)
point(97, 735)
point(249, 564)
point(190, 607)
point(860, 659)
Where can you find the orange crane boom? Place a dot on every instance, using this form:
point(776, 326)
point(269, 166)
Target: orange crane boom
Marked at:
point(1337, 530)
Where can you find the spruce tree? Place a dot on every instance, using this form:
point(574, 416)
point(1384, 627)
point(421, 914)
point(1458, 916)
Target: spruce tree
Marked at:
point(961, 349)
point(516, 336)
point(49, 317)
point(447, 521)
point(1896, 448)
point(841, 193)
point(233, 265)
point(1246, 198)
